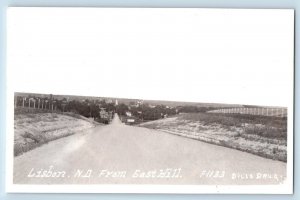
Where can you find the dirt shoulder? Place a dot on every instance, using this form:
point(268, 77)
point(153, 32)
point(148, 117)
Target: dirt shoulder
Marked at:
point(31, 130)
point(263, 136)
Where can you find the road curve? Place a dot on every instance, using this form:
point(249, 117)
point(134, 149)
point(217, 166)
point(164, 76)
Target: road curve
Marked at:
point(121, 154)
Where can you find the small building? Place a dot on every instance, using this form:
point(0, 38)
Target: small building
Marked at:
point(103, 114)
point(128, 114)
point(130, 120)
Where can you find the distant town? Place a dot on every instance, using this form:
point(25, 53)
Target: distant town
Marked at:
point(131, 111)
point(102, 109)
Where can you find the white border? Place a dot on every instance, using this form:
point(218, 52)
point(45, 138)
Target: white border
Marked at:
point(285, 188)
point(159, 189)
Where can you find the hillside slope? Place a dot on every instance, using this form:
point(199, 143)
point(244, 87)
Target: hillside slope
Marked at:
point(34, 129)
point(259, 135)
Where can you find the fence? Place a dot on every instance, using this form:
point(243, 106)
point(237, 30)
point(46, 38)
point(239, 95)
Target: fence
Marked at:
point(26, 110)
point(35, 103)
point(275, 112)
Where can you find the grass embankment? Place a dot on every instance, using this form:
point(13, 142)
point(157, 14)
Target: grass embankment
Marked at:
point(259, 135)
point(34, 129)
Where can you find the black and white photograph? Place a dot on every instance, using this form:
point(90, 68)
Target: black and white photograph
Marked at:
point(150, 100)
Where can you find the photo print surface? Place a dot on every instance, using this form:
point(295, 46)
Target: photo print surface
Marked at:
point(177, 100)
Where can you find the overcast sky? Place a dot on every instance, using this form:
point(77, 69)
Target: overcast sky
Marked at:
point(199, 55)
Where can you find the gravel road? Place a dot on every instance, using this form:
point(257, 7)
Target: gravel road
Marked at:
point(121, 154)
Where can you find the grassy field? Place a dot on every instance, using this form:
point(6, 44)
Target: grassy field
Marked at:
point(260, 135)
point(34, 129)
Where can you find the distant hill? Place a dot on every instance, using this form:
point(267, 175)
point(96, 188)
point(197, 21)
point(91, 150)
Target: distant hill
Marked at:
point(198, 104)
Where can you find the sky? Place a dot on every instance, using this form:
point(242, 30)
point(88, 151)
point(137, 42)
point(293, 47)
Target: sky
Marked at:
point(238, 56)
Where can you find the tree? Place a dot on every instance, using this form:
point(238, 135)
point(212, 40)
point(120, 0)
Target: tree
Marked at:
point(121, 109)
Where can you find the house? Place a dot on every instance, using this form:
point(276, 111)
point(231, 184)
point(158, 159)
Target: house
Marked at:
point(128, 114)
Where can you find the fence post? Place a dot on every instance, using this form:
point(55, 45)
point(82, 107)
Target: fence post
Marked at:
point(261, 111)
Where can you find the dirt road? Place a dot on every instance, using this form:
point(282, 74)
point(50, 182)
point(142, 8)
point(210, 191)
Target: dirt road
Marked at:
point(121, 154)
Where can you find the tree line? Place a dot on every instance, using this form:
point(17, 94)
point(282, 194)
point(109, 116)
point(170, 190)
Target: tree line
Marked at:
point(86, 108)
point(93, 108)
